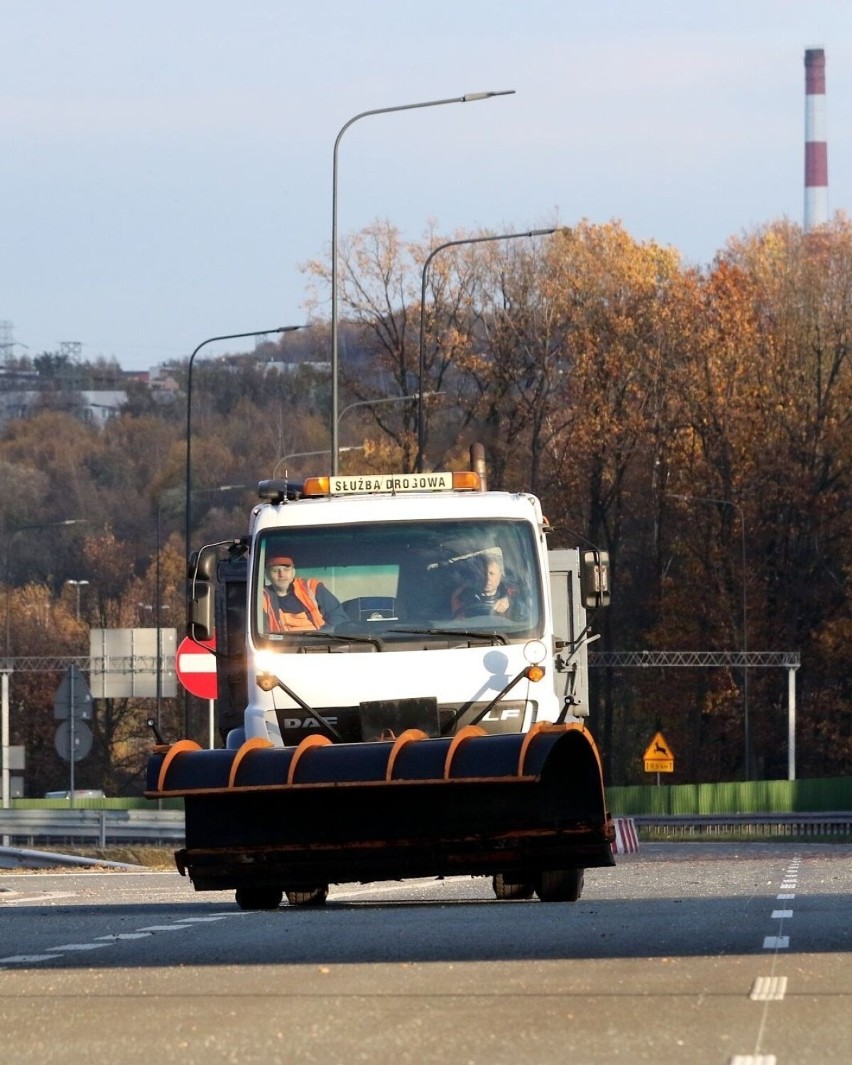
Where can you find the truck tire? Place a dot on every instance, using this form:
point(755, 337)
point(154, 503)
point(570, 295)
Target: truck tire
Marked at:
point(560, 885)
point(511, 889)
point(311, 897)
point(259, 898)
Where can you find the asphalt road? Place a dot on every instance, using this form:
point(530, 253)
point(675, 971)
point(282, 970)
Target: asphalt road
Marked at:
point(705, 954)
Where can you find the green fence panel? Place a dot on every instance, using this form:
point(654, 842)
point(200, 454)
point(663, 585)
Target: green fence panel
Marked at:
point(135, 803)
point(735, 797)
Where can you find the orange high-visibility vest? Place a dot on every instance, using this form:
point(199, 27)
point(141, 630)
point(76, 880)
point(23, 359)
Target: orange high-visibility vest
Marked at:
point(305, 590)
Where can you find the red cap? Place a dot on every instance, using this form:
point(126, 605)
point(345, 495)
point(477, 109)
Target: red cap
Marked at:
point(279, 560)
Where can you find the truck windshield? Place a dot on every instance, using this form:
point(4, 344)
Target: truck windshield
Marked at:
point(392, 580)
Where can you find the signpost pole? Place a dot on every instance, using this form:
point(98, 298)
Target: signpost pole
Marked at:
point(71, 715)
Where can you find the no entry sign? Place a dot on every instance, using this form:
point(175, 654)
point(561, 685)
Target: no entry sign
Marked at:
point(196, 667)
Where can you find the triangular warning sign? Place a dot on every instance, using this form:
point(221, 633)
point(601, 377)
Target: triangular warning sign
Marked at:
point(658, 748)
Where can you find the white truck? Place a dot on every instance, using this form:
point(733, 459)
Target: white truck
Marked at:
point(431, 722)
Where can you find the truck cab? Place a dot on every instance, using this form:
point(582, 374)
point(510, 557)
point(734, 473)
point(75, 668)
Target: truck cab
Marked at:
point(443, 616)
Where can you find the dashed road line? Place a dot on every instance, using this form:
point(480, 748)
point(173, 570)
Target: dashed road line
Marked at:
point(22, 899)
point(99, 942)
point(126, 935)
point(77, 946)
point(768, 989)
point(772, 988)
point(164, 928)
point(204, 920)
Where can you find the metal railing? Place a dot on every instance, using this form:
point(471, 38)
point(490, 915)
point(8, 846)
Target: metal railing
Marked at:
point(829, 825)
point(98, 828)
point(102, 828)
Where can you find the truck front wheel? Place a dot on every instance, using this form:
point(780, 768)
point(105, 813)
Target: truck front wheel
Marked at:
point(259, 898)
point(314, 896)
point(560, 885)
point(511, 889)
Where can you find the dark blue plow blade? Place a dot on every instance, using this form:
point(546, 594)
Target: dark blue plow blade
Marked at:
point(415, 806)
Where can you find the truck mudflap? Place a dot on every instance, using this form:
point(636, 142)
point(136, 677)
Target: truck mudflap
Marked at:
point(290, 818)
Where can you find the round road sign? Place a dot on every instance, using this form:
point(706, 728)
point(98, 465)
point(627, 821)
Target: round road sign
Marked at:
point(82, 740)
point(196, 667)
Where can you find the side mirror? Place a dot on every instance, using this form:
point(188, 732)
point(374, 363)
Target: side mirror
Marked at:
point(200, 596)
point(594, 579)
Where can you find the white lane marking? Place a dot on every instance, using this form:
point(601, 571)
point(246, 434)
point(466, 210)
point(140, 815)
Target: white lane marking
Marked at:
point(788, 885)
point(26, 958)
point(786, 895)
point(768, 989)
point(79, 946)
point(164, 928)
point(781, 915)
point(124, 935)
point(776, 942)
point(44, 896)
point(201, 920)
point(107, 941)
point(754, 1059)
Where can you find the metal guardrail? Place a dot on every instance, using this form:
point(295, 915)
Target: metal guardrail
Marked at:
point(102, 828)
point(828, 825)
point(19, 858)
point(99, 828)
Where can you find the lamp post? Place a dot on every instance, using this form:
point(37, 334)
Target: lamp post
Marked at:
point(420, 396)
point(304, 455)
point(738, 509)
point(4, 679)
point(421, 421)
point(78, 585)
point(467, 98)
point(211, 340)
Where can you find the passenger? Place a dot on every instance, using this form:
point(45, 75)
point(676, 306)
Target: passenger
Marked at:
point(297, 604)
point(490, 594)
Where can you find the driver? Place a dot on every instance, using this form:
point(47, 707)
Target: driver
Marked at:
point(297, 604)
point(490, 593)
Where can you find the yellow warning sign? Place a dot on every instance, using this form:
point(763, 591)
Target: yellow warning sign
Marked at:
point(658, 757)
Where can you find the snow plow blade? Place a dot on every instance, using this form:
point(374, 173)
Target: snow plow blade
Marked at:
point(322, 813)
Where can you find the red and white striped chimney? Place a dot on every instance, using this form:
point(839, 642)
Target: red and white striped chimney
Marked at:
point(816, 141)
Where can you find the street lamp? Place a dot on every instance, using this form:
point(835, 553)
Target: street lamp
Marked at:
point(469, 97)
point(306, 454)
point(211, 340)
point(420, 396)
point(9, 541)
point(348, 407)
point(7, 669)
point(738, 509)
point(421, 422)
point(78, 585)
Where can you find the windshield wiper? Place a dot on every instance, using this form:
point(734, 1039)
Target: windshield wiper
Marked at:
point(489, 637)
point(339, 638)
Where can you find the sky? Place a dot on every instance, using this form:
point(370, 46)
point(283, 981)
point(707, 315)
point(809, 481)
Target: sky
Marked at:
point(166, 166)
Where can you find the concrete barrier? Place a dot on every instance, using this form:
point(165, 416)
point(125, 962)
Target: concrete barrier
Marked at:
point(626, 837)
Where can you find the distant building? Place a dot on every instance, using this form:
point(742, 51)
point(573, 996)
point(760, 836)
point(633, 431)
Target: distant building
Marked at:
point(95, 407)
point(99, 407)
